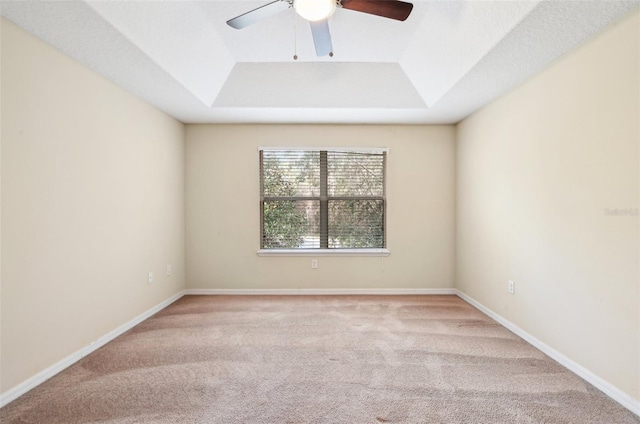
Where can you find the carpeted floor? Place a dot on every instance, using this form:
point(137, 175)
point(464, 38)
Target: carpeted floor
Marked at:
point(316, 359)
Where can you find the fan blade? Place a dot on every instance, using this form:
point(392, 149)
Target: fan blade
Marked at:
point(392, 9)
point(321, 37)
point(258, 14)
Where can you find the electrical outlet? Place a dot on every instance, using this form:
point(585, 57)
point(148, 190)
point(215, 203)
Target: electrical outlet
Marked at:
point(512, 287)
point(169, 270)
point(314, 263)
point(150, 279)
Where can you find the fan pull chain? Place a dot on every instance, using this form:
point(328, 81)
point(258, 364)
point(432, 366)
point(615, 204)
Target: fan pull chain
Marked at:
point(295, 37)
point(329, 24)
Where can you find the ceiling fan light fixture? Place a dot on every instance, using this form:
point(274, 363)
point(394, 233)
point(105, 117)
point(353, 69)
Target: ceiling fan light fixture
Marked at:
point(315, 10)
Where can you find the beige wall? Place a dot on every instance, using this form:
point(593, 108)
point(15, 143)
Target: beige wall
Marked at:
point(223, 221)
point(536, 170)
point(92, 200)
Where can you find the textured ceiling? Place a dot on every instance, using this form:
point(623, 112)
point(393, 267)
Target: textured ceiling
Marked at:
point(446, 60)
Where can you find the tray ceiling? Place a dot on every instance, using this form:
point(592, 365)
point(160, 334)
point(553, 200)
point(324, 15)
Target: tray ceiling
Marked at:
point(448, 59)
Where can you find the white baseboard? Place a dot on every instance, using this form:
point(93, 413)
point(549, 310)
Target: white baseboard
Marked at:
point(607, 388)
point(54, 369)
point(326, 292)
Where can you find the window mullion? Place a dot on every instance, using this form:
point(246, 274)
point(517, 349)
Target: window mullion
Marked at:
point(324, 202)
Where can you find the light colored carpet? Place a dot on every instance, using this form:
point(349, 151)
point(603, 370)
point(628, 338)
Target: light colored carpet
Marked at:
point(316, 359)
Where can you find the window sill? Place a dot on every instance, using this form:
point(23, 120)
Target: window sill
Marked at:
point(323, 252)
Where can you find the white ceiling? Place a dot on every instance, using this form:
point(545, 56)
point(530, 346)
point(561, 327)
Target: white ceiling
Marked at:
point(449, 58)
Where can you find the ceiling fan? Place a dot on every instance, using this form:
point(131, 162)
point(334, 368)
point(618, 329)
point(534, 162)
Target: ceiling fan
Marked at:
point(317, 12)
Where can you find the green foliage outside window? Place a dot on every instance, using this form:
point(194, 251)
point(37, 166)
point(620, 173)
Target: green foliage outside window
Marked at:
point(355, 205)
point(284, 225)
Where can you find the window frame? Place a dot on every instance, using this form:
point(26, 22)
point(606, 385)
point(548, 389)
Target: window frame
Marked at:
point(324, 198)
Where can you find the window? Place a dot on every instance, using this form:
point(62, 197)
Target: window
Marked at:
point(322, 200)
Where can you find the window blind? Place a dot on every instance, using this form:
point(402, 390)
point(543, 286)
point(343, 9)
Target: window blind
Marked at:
point(322, 198)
